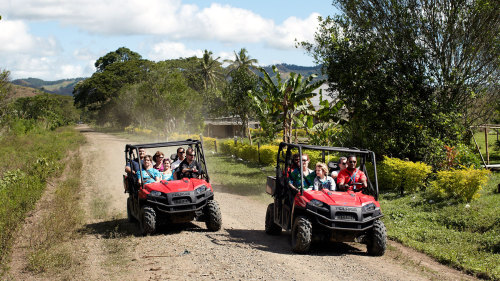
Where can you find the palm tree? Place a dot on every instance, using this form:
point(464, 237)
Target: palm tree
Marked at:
point(277, 102)
point(210, 71)
point(242, 60)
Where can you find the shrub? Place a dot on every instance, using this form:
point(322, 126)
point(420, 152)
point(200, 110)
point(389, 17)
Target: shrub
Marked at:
point(462, 185)
point(394, 173)
point(209, 143)
point(268, 154)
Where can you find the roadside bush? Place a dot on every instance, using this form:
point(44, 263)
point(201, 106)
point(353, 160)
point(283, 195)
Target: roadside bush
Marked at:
point(209, 143)
point(462, 185)
point(394, 174)
point(268, 154)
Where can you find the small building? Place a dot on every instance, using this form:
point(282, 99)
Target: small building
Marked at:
point(226, 127)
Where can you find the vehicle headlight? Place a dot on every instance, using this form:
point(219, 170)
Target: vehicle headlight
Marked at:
point(369, 207)
point(155, 193)
point(316, 203)
point(200, 189)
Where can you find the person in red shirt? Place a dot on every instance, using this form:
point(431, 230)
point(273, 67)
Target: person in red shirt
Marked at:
point(351, 175)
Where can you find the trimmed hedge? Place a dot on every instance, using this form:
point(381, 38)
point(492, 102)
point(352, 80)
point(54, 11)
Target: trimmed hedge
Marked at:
point(463, 185)
point(394, 174)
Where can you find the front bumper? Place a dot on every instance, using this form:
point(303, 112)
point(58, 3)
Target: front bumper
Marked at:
point(179, 202)
point(344, 218)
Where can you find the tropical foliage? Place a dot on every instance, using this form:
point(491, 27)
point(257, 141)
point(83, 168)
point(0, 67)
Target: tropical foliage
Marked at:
point(411, 73)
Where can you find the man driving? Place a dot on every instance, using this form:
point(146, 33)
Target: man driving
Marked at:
point(351, 175)
point(189, 168)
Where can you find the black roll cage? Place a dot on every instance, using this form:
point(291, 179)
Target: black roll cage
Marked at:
point(132, 152)
point(363, 153)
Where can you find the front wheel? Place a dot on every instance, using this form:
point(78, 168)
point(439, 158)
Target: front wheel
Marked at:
point(301, 235)
point(213, 216)
point(377, 241)
point(271, 227)
point(148, 220)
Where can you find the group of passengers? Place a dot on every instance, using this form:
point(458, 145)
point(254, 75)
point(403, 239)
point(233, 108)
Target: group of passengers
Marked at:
point(339, 180)
point(163, 168)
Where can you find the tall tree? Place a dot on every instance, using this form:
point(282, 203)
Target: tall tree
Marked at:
point(5, 91)
point(210, 70)
point(120, 55)
point(236, 96)
point(277, 102)
point(411, 72)
point(242, 61)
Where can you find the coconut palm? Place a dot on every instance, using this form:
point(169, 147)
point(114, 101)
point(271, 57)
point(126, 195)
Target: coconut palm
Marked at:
point(210, 70)
point(242, 60)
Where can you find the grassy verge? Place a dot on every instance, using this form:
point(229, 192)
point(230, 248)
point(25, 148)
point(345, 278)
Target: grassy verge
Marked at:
point(464, 236)
point(51, 240)
point(239, 177)
point(29, 160)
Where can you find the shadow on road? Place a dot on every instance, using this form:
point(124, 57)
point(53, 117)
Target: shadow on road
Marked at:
point(280, 244)
point(119, 228)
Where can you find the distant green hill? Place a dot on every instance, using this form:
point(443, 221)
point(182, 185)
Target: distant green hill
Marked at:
point(60, 87)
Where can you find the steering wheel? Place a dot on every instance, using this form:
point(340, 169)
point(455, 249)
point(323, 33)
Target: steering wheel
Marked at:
point(357, 186)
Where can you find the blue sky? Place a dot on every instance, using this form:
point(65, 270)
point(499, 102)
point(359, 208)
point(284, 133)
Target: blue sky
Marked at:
point(57, 39)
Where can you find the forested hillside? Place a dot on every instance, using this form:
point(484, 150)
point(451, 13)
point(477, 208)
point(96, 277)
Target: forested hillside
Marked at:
point(61, 87)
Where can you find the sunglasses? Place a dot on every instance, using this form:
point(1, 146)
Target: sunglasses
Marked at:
point(191, 154)
point(352, 161)
point(304, 160)
point(343, 163)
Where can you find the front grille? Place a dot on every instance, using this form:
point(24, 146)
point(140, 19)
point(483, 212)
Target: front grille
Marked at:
point(346, 216)
point(181, 201)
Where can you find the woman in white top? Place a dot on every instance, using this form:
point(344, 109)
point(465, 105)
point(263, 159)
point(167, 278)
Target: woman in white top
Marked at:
point(322, 180)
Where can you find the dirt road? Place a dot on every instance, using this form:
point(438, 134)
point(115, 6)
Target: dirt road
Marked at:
point(109, 250)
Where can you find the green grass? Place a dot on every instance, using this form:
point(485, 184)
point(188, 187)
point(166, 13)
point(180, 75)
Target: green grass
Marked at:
point(492, 148)
point(29, 160)
point(239, 177)
point(464, 236)
point(51, 238)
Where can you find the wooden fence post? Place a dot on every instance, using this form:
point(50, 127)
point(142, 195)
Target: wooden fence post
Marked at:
point(215, 145)
point(486, 144)
point(258, 150)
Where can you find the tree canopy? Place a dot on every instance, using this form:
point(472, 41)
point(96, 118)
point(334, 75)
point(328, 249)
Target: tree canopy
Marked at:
point(411, 73)
point(120, 55)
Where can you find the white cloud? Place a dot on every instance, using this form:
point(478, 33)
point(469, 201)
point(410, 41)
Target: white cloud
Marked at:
point(224, 23)
point(171, 50)
point(16, 39)
point(294, 29)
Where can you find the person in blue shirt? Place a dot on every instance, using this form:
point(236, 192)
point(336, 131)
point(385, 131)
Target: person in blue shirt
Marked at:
point(135, 162)
point(323, 180)
point(149, 174)
point(167, 174)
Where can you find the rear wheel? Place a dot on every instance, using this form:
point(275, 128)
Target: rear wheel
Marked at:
point(377, 242)
point(271, 227)
point(213, 216)
point(301, 235)
point(148, 220)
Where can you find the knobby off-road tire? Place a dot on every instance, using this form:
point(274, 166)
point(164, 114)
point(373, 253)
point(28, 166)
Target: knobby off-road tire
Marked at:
point(301, 235)
point(377, 242)
point(213, 216)
point(148, 220)
point(271, 227)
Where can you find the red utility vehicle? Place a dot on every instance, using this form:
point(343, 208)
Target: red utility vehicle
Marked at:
point(174, 201)
point(341, 216)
